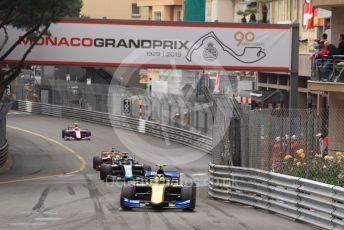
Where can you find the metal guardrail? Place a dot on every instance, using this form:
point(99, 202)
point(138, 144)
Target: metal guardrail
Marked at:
point(194, 140)
point(303, 200)
point(3, 154)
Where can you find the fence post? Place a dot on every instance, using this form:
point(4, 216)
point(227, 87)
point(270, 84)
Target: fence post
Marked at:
point(269, 142)
point(308, 137)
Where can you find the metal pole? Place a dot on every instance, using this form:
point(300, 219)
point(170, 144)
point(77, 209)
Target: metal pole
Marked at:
point(294, 69)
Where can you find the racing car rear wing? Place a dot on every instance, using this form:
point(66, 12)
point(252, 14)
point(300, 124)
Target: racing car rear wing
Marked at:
point(173, 174)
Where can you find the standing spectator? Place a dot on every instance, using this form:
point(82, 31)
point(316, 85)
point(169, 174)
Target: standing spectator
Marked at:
point(186, 120)
point(253, 18)
point(177, 120)
point(340, 49)
point(265, 13)
point(276, 153)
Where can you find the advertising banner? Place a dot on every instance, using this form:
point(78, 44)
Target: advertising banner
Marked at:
point(160, 45)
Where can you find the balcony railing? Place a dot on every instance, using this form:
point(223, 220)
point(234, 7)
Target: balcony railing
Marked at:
point(328, 69)
point(327, 4)
point(159, 2)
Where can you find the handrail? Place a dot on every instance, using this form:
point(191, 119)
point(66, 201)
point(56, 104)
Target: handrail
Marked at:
point(182, 136)
point(303, 200)
point(328, 69)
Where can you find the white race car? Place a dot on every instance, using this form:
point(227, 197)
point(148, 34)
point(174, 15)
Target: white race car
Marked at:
point(76, 133)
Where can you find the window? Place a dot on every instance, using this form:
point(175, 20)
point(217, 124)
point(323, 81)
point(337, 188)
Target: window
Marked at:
point(135, 10)
point(157, 16)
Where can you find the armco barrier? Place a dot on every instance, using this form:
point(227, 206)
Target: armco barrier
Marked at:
point(181, 136)
point(304, 200)
point(3, 154)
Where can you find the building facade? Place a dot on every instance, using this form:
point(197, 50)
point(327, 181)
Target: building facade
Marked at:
point(220, 10)
point(163, 10)
point(110, 9)
point(335, 86)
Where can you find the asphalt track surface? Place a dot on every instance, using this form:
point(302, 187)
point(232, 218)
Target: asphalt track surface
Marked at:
point(52, 185)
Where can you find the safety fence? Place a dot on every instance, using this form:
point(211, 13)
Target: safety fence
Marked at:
point(4, 108)
point(181, 111)
point(303, 200)
point(178, 135)
point(3, 154)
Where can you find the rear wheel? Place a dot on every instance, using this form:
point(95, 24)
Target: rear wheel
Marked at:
point(189, 193)
point(96, 162)
point(102, 171)
point(63, 133)
point(107, 171)
point(128, 193)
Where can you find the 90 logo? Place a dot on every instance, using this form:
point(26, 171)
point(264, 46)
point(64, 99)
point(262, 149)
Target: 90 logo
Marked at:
point(241, 37)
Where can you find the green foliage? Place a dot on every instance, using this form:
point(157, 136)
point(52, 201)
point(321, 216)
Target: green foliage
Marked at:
point(251, 10)
point(26, 14)
point(34, 18)
point(243, 13)
point(328, 170)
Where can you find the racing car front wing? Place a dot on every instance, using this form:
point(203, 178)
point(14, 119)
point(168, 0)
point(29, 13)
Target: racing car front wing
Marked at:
point(147, 204)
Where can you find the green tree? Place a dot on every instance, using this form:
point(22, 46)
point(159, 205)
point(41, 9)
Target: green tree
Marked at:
point(34, 18)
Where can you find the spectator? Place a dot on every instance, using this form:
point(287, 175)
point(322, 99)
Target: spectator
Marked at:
point(253, 18)
point(276, 153)
point(326, 65)
point(340, 49)
point(318, 57)
point(186, 120)
point(177, 120)
point(265, 13)
point(323, 49)
point(324, 38)
point(316, 47)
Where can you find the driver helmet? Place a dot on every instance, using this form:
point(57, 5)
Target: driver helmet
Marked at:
point(159, 179)
point(113, 149)
point(76, 125)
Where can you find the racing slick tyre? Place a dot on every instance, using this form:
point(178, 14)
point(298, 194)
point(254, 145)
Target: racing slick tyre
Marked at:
point(106, 169)
point(63, 133)
point(97, 161)
point(102, 171)
point(127, 192)
point(189, 193)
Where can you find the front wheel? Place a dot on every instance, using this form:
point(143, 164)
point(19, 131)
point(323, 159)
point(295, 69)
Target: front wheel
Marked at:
point(189, 193)
point(126, 193)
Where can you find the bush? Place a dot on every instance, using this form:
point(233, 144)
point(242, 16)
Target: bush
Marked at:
point(328, 169)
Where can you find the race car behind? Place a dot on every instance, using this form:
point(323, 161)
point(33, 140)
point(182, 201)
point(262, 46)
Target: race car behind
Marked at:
point(105, 157)
point(76, 133)
point(125, 169)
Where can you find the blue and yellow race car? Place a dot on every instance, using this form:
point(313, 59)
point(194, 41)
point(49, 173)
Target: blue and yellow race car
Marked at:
point(162, 189)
